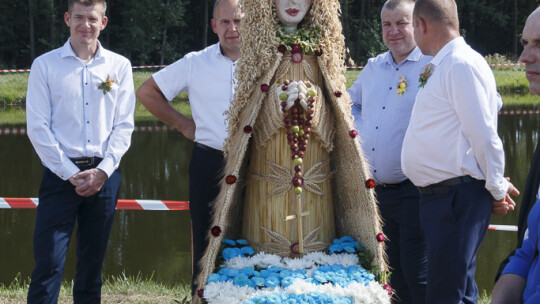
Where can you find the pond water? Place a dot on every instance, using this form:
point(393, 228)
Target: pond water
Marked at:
point(157, 242)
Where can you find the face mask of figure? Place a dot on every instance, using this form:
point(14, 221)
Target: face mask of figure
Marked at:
point(291, 12)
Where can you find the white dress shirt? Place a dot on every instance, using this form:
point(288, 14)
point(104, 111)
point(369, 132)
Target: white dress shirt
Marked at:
point(381, 115)
point(208, 78)
point(453, 127)
point(69, 117)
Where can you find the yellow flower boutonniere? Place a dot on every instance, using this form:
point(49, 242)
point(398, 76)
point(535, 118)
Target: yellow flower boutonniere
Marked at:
point(425, 75)
point(401, 86)
point(106, 85)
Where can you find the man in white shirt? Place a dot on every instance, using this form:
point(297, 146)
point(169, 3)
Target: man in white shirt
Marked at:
point(382, 109)
point(453, 153)
point(208, 77)
point(79, 106)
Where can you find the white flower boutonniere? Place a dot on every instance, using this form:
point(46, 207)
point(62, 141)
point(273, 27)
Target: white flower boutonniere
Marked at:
point(402, 86)
point(106, 85)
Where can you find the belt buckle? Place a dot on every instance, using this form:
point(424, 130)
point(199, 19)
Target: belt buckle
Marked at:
point(84, 161)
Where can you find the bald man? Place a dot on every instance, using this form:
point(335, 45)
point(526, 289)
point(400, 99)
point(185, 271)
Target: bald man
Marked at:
point(207, 77)
point(521, 276)
point(453, 154)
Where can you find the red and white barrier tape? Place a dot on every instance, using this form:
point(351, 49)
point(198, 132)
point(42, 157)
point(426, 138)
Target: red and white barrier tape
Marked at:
point(15, 71)
point(503, 228)
point(519, 112)
point(162, 66)
point(148, 66)
point(22, 130)
point(123, 204)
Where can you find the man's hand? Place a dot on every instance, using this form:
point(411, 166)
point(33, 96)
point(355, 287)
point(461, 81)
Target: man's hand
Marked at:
point(506, 204)
point(88, 182)
point(188, 129)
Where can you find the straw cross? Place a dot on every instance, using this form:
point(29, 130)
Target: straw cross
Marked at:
point(298, 216)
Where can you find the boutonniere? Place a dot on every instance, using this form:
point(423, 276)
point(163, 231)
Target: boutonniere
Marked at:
point(402, 86)
point(425, 75)
point(106, 85)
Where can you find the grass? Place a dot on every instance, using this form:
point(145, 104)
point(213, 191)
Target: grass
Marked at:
point(511, 83)
point(116, 289)
point(126, 289)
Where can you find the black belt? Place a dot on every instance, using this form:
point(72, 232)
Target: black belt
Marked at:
point(206, 148)
point(393, 186)
point(444, 186)
point(86, 161)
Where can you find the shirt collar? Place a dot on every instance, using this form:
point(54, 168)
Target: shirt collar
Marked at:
point(414, 55)
point(67, 51)
point(453, 44)
point(220, 54)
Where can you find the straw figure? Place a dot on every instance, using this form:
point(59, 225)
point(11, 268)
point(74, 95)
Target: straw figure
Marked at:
point(295, 175)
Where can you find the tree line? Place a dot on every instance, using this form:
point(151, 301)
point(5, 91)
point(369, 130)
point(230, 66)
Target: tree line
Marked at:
point(162, 31)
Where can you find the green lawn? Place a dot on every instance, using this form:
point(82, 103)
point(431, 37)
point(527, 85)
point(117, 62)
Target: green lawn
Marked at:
point(116, 289)
point(511, 83)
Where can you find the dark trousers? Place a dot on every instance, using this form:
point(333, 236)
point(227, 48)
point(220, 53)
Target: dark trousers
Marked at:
point(454, 225)
point(58, 210)
point(205, 172)
point(405, 246)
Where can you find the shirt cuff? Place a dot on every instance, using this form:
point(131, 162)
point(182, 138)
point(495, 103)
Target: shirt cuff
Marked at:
point(67, 170)
point(107, 166)
point(501, 189)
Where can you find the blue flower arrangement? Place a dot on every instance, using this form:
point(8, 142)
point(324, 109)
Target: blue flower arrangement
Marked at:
point(313, 297)
point(232, 250)
point(264, 282)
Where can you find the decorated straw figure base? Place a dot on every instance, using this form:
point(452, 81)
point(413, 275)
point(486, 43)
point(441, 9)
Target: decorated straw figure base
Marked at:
point(288, 205)
point(296, 218)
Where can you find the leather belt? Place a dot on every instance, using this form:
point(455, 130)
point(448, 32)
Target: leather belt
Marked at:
point(206, 148)
point(444, 186)
point(86, 161)
point(393, 186)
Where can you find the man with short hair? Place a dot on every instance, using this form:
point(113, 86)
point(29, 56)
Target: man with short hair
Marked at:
point(208, 78)
point(383, 97)
point(453, 153)
point(79, 109)
point(521, 276)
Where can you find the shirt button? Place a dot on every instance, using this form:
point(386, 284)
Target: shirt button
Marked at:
point(372, 149)
point(383, 108)
point(374, 171)
point(89, 140)
point(87, 122)
point(390, 88)
point(87, 103)
point(397, 69)
point(376, 128)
